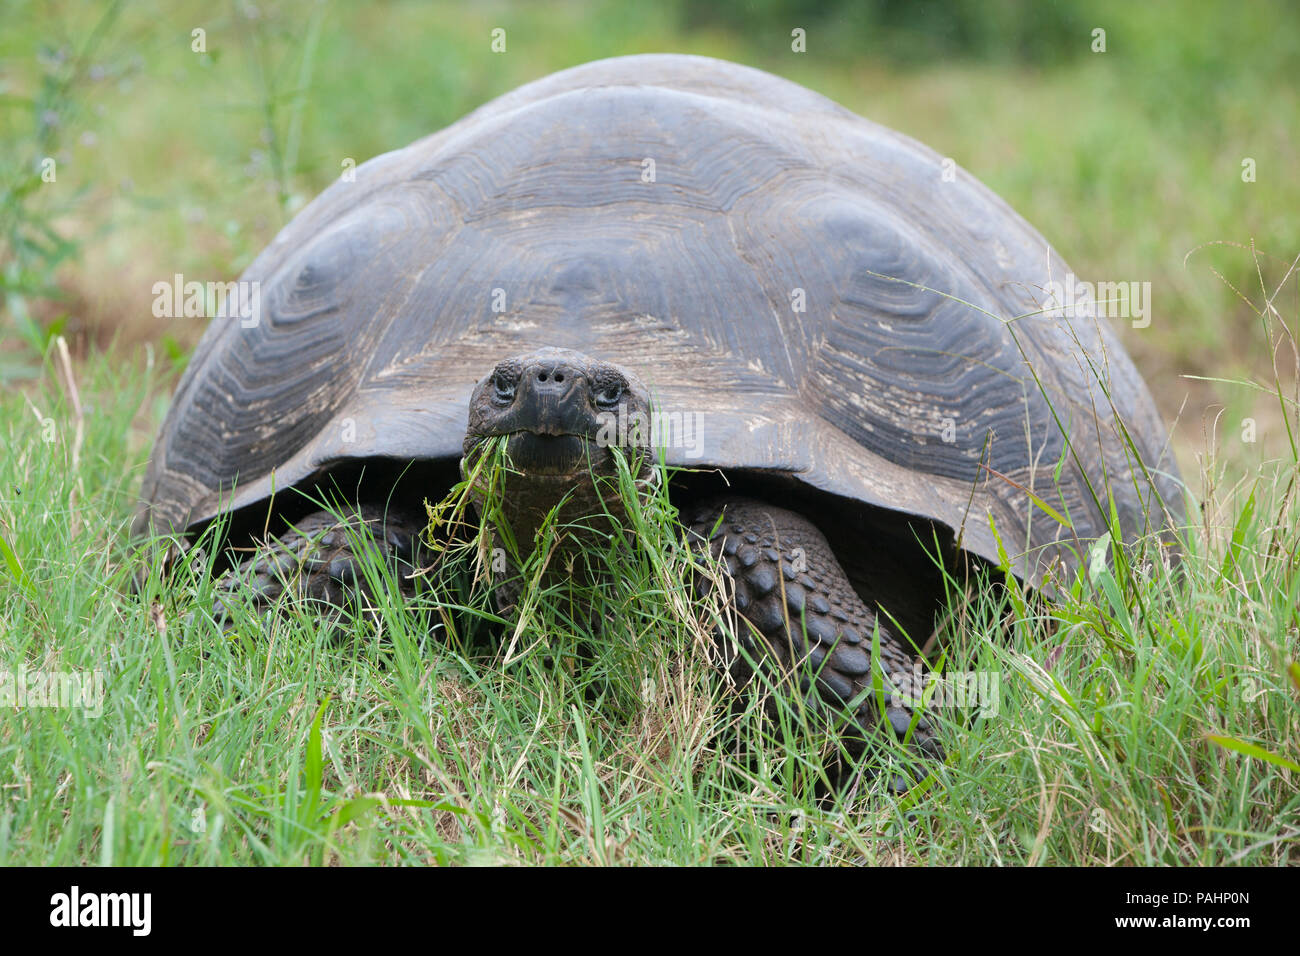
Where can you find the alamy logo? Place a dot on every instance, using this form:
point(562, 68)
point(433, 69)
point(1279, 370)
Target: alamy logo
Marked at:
point(964, 690)
point(1090, 300)
point(102, 909)
point(83, 690)
point(621, 429)
point(212, 300)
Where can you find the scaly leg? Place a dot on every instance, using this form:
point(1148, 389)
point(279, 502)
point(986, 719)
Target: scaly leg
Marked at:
point(315, 560)
point(812, 624)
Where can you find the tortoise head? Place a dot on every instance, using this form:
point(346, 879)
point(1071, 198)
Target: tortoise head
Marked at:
point(562, 413)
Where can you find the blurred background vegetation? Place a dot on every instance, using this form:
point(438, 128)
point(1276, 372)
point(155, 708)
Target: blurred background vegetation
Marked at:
point(172, 159)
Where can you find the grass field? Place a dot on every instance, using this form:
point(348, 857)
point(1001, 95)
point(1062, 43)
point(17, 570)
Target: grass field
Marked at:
point(1144, 718)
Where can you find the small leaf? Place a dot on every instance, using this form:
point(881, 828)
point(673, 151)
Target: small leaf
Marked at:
point(1060, 464)
point(1097, 558)
point(16, 569)
point(1253, 750)
point(315, 768)
point(1039, 503)
point(1004, 562)
point(354, 809)
point(1170, 820)
point(1239, 533)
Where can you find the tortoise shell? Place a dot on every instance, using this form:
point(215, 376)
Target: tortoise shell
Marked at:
point(811, 285)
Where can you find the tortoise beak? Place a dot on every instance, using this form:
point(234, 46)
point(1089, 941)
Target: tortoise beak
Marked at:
point(537, 454)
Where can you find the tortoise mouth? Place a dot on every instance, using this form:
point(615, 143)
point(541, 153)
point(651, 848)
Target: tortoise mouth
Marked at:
point(537, 454)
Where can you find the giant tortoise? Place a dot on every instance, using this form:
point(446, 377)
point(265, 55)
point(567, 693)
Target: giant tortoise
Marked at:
point(854, 339)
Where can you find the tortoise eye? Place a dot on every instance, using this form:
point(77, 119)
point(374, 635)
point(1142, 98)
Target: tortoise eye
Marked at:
point(504, 387)
point(608, 396)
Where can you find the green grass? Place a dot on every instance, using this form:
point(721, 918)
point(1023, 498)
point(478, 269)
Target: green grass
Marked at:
point(1148, 716)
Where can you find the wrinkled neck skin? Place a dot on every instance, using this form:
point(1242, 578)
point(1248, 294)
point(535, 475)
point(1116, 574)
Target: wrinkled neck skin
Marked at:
point(581, 529)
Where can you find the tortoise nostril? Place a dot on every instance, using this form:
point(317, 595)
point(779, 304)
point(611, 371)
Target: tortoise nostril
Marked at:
point(552, 376)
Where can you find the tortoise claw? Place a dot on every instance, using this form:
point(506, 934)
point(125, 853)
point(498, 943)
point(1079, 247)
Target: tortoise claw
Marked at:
point(315, 561)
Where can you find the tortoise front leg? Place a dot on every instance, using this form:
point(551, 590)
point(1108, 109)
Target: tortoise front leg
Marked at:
point(316, 561)
point(813, 625)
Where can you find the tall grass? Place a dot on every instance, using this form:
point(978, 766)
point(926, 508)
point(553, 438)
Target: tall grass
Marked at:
point(1150, 714)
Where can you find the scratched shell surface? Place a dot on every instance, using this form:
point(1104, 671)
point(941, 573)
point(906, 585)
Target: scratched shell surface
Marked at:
point(904, 382)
